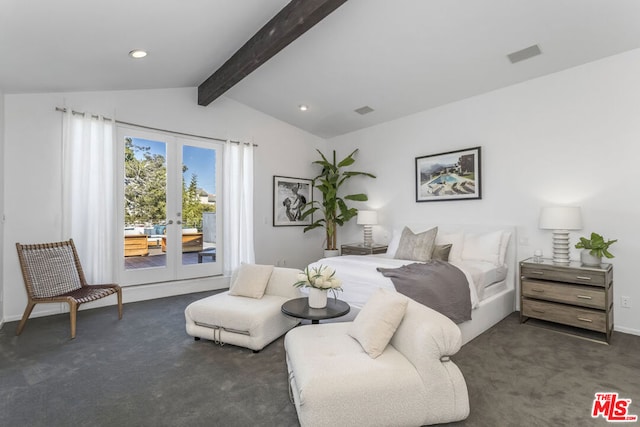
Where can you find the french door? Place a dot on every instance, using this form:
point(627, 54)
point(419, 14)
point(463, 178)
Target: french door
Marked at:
point(168, 207)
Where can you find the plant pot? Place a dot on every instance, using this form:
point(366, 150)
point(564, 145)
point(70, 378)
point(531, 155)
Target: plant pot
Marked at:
point(317, 298)
point(328, 253)
point(587, 259)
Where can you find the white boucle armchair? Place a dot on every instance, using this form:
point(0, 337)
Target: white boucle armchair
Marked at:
point(333, 381)
point(243, 321)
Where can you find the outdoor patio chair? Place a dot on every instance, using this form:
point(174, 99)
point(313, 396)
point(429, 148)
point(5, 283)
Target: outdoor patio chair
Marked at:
point(52, 273)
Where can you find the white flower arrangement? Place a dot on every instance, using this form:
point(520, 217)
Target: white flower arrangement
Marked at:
point(321, 277)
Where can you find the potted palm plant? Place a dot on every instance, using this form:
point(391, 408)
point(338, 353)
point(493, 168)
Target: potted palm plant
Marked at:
point(333, 207)
point(594, 249)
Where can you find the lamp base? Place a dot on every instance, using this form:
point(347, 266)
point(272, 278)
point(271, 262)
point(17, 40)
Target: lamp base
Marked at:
point(561, 247)
point(368, 236)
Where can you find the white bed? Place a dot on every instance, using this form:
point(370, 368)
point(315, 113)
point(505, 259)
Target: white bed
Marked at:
point(490, 271)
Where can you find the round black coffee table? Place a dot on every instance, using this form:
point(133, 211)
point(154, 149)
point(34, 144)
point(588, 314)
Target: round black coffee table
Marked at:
point(299, 308)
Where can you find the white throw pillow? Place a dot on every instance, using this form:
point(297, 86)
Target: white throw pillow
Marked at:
point(456, 240)
point(378, 320)
point(392, 247)
point(504, 245)
point(482, 247)
point(416, 247)
point(251, 280)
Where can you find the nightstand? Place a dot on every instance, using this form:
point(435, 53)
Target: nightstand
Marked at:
point(571, 294)
point(361, 249)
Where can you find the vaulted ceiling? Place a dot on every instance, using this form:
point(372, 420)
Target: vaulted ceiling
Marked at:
point(397, 57)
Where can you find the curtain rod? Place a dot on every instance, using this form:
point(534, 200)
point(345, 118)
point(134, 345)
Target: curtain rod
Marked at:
point(64, 110)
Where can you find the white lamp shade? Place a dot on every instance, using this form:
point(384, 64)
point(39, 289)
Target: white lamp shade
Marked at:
point(367, 217)
point(560, 218)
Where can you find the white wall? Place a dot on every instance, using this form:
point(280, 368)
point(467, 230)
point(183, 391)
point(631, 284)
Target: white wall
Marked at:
point(569, 138)
point(32, 170)
point(2, 181)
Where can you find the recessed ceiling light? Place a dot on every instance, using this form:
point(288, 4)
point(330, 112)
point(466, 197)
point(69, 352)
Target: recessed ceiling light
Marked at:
point(303, 107)
point(137, 53)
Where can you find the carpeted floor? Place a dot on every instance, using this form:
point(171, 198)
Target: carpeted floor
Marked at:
point(146, 371)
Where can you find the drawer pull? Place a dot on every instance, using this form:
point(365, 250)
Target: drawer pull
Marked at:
point(538, 272)
point(583, 296)
point(538, 290)
point(583, 277)
point(535, 310)
point(584, 319)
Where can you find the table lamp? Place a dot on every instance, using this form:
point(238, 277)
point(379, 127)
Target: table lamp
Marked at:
point(367, 219)
point(560, 219)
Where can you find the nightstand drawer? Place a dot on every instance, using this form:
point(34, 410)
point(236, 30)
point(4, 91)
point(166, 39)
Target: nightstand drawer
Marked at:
point(567, 315)
point(360, 249)
point(568, 275)
point(585, 296)
point(355, 251)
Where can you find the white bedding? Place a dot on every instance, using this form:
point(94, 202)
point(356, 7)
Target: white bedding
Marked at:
point(360, 278)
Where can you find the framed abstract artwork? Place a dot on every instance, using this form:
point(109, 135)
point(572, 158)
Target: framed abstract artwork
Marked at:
point(289, 197)
point(454, 175)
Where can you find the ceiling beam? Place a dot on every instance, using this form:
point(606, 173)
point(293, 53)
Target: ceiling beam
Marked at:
point(291, 22)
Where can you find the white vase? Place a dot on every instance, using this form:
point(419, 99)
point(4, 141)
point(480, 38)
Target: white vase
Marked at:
point(587, 259)
point(328, 253)
point(317, 298)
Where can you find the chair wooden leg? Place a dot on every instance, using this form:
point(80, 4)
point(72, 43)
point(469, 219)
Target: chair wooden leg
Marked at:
point(119, 303)
point(73, 314)
point(25, 316)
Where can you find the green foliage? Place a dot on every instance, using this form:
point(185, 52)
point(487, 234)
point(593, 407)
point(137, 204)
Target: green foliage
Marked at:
point(334, 209)
point(192, 208)
point(597, 245)
point(144, 191)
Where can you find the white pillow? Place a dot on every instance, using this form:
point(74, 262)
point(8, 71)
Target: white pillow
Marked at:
point(483, 247)
point(378, 320)
point(251, 280)
point(189, 230)
point(504, 244)
point(392, 247)
point(416, 247)
point(456, 240)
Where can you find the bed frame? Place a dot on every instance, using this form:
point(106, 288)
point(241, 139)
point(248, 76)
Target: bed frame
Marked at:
point(492, 309)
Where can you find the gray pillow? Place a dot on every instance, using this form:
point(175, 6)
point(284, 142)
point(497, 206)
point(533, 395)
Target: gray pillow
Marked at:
point(441, 252)
point(416, 247)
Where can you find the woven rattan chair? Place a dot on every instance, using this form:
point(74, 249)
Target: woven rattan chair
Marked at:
point(52, 273)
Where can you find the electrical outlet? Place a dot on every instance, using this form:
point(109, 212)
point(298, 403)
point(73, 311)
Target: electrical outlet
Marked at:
point(625, 302)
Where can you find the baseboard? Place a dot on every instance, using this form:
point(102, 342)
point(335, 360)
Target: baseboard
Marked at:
point(134, 294)
point(624, 330)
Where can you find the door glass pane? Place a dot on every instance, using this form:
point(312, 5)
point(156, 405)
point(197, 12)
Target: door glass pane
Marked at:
point(145, 204)
point(198, 205)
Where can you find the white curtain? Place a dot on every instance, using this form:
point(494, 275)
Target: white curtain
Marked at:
point(89, 192)
point(237, 206)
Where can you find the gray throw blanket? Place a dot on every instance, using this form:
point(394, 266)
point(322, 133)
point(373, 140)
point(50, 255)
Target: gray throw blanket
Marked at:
point(436, 284)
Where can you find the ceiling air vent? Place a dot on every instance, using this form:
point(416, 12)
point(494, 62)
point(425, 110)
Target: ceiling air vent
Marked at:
point(363, 110)
point(526, 53)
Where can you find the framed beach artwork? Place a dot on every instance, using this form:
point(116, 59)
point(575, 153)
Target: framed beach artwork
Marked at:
point(454, 175)
point(289, 197)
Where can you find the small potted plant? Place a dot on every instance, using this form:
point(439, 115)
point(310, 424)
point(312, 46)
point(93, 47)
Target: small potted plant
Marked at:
point(319, 280)
point(594, 249)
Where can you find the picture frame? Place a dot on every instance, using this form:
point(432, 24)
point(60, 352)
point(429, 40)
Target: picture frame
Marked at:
point(454, 175)
point(289, 196)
